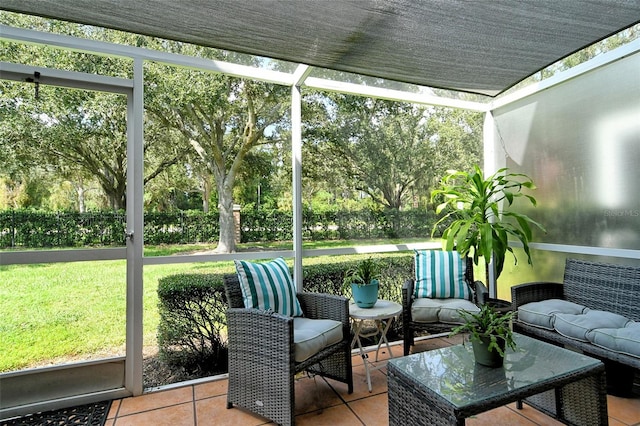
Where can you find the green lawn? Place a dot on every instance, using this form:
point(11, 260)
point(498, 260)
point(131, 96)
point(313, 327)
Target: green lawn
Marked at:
point(65, 311)
point(52, 313)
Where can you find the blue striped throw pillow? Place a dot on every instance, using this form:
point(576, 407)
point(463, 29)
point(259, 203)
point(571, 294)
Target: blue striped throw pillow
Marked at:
point(268, 286)
point(440, 275)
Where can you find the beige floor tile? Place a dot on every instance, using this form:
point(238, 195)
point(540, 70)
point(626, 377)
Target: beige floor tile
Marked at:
point(502, 416)
point(209, 389)
point(340, 388)
point(625, 410)
point(155, 400)
point(535, 415)
point(214, 411)
point(356, 360)
point(319, 401)
point(333, 416)
point(360, 389)
point(115, 405)
point(397, 350)
point(435, 343)
point(383, 353)
point(177, 415)
point(373, 411)
point(313, 394)
point(614, 422)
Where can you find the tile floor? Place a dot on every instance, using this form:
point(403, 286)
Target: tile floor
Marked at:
point(318, 402)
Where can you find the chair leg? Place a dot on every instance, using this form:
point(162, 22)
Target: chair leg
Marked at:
point(408, 342)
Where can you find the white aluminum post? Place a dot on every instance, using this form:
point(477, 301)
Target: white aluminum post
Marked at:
point(135, 223)
point(299, 77)
point(490, 168)
point(296, 156)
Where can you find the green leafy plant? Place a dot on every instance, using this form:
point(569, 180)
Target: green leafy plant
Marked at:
point(477, 210)
point(363, 273)
point(489, 323)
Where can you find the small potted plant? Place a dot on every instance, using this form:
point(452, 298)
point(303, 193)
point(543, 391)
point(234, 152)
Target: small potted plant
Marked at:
point(489, 332)
point(363, 279)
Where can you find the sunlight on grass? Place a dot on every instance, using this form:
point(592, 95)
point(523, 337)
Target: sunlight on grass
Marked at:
point(55, 310)
point(61, 312)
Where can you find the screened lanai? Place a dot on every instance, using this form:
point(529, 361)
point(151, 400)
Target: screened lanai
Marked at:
point(577, 134)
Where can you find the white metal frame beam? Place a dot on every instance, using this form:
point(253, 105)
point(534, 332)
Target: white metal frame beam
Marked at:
point(61, 78)
point(235, 70)
point(128, 52)
point(299, 76)
point(585, 67)
point(393, 95)
point(135, 232)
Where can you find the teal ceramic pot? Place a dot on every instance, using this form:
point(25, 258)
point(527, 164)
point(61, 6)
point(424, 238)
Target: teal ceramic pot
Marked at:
point(365, 296)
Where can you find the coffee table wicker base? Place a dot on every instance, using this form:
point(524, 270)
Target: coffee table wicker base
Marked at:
point(444, 386)
point(571, 404)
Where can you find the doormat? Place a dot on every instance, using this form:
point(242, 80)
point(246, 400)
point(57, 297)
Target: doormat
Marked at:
point(83, 415)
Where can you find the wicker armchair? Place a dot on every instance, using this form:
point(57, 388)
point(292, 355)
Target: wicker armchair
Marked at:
point(262, 367)
point(410, 326)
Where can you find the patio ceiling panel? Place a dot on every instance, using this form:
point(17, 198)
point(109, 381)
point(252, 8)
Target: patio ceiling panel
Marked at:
point(481, 46)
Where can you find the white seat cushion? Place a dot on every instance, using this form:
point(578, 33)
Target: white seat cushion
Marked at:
point(542, 314)
point(622, 340)
point(440, 310)
point(310, 336)
point(577, 326)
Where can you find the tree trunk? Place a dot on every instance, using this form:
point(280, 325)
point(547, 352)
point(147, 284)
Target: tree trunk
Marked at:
point(81, 204)
point(227, 237)
point(206, 192)
point(80, 190)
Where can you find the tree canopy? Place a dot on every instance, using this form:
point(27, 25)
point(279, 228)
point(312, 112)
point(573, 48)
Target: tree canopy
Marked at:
point(390, 151)
point(212, 139)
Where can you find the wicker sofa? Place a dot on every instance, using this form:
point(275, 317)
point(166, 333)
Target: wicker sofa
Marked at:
point(610, 293)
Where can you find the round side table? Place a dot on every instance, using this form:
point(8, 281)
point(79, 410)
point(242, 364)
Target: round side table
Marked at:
point(382, 314)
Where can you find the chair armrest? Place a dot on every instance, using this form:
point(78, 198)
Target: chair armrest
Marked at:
point(324, 306)
point(481, 291)
point(535, 292)
point(254, 328)
point(407, 292)
point(407, 300)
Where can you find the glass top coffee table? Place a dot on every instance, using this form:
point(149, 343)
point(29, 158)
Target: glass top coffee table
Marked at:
point(445, 386)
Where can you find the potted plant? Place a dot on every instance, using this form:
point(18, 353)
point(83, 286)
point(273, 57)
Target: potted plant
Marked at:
point(363, 279)
point(479, 215)
point(489, 332)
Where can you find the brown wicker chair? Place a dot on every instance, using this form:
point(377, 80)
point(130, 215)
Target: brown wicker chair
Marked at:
point(262, 367)
point(410, 327)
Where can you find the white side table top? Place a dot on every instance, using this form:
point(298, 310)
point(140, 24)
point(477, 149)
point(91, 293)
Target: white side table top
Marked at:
point(383, 309)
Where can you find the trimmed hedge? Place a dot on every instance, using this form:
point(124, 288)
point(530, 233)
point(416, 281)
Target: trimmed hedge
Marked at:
point(192, 329)
point(327, 277)
point(35, 229)
point(191, 332)
point(277, 225)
